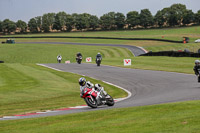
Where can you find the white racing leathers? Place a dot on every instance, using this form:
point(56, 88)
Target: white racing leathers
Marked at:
point(99, 90)
point(87, 85)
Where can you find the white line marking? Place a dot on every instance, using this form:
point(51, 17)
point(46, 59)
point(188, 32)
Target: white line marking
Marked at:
point(41, 112)
point(49, 67)
point(79, 107)
point(120, 99)
point(10, 117)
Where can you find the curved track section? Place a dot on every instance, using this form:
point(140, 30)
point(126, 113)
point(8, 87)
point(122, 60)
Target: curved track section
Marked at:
point(134, 49)
point(147, 87)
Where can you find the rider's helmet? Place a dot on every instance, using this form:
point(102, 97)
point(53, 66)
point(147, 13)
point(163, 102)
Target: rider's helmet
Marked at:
point(82, 81)
point(78, 53)
point(197, 62)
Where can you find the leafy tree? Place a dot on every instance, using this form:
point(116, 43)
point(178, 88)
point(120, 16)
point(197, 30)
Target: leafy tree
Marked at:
point(22, 25)
point(35, 24)
point(176, 13)
point(1, 26)
point(69, 22)
point(133, 19)
point(38, 20)
point(159, 18)
point(107, 21)
point(60, 21)
point(93, 22)
point(188, 17)
point(81, 21)
point(166, 13)
point(119, 20)
point(8, 26)
point(32, 24)
point(146, 18)
point(197, 17)
point(47, 21)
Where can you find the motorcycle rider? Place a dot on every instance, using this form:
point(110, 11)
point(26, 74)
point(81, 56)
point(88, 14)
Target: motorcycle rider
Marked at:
point(78, 55)
point(59, 58)
point(87, 84)
point(197, 68)
point(84, 84)
point(98, 56)
point(98, 88)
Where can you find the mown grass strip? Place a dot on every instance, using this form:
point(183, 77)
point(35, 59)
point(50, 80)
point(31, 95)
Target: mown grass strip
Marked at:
point(174, 118)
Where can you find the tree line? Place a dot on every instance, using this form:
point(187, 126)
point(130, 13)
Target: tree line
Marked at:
point(175, 15)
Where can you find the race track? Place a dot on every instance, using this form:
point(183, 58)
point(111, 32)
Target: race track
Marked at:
point(147, 87)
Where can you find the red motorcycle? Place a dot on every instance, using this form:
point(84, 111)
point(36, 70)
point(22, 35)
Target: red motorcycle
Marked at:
point(95, 98)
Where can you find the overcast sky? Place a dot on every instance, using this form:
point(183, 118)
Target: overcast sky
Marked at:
point(27, 9)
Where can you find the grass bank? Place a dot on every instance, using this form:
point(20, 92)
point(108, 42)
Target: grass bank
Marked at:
point(47, 53)
point(165, 118)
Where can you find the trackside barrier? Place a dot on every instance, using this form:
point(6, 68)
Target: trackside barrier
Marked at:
point(172, 54)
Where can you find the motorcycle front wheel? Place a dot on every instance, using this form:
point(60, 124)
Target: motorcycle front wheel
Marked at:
point(110, 101)
point(91, 102)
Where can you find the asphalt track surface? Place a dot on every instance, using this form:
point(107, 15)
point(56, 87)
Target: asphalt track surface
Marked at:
point(134, 49)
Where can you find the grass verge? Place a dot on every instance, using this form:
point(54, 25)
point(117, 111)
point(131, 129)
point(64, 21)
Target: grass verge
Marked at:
point(166, 118)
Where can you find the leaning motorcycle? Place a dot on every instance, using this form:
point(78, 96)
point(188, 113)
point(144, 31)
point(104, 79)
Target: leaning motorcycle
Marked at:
point(90, 97)
point(98, 61)
point(79, 59)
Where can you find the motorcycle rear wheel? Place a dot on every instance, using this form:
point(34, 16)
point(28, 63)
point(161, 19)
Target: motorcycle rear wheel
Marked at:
point(90, 102)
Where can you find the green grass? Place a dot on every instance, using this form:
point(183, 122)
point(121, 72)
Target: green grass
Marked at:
point(47, 53)
point(163, 118)
point(168, 33)
point(25, 87)
point(29, 88)
point(160, 63)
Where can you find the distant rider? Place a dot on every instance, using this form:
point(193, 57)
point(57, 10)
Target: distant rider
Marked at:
point(78, 54)
point(59, 58)
point(197, 69)
point(98, 56)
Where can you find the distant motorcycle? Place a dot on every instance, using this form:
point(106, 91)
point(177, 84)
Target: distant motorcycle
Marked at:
point(198, 76)
point(79, 59)
point(59, 58)
point(90, 97)
point(98, 61)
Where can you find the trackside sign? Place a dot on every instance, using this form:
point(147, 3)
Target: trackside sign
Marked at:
point(89, 59)
point(67, 62)
point(127, 62)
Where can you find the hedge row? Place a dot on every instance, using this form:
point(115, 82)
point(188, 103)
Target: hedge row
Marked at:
point(172, 54)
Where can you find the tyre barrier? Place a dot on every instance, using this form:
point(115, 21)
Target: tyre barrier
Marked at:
point(172, 54)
